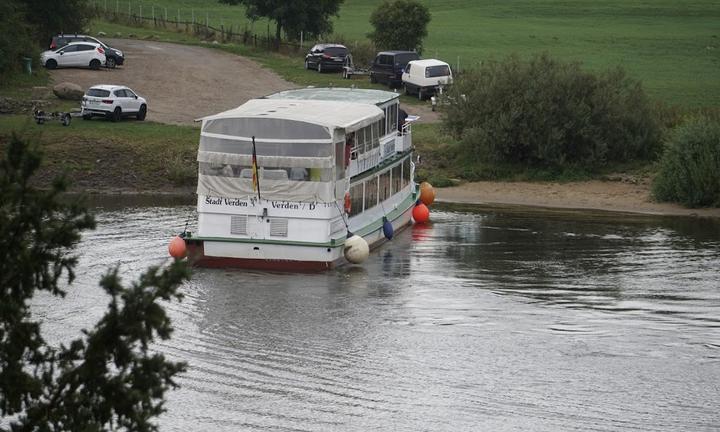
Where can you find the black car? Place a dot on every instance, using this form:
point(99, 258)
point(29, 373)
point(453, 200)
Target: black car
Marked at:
point(326, 57)
point(114, 57)
point(388, 66)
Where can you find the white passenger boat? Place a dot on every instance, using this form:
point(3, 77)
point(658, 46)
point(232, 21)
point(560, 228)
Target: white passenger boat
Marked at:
point(285, 180)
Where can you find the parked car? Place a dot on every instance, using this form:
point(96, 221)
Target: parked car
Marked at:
point(388, 66)
point(326, 57)
point(426, 77)
point(114, 56)
point(75, 54)
point(113, 102)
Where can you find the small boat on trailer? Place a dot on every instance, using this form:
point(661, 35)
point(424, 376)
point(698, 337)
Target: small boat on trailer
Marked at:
point(286, 182)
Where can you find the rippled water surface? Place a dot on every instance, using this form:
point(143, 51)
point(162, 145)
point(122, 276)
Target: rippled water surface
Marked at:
point(486, 320)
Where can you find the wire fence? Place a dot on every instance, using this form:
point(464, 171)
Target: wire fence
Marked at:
point(197, 24)
point(211, 27)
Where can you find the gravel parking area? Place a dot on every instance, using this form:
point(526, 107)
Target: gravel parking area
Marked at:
point(181, 82)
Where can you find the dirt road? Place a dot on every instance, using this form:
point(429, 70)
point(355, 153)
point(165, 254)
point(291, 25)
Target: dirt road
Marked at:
point(181, 82)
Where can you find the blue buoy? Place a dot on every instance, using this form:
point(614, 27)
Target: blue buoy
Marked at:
point(387, 229)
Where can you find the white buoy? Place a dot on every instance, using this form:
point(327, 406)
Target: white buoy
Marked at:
point(356, 249)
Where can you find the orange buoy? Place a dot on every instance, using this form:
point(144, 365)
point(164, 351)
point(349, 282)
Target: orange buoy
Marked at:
point(427, 193)
point(421, 214)
point(177, 247)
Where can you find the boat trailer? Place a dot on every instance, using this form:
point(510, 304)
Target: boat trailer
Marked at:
point(63, 117)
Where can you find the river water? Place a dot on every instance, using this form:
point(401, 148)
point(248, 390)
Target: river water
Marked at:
point(488, 319)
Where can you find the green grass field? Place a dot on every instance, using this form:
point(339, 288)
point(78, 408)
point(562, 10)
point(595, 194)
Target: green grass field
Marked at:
point(672, 47)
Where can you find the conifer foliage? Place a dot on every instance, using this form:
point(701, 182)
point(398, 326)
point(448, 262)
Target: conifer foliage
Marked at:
point(109, 377)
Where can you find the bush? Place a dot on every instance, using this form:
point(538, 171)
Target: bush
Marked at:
point(690, 166)
point(543, 113)
point(15, 44)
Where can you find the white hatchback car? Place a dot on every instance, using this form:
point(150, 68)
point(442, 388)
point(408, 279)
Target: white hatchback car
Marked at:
point(425, 77)
point(113, 102)
point(75, 54)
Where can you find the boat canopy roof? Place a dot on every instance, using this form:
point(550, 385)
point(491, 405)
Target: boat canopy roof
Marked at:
point(330, 115)
point(340, 94)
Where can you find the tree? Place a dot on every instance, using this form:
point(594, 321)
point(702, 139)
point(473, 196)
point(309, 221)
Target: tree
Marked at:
point(107, 378)
point(50, 17)
point(15, 44)
point(400, 24)
point(309, 16)
point(28, 24)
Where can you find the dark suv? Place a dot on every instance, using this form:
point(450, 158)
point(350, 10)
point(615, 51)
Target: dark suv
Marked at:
point(388, 66)
point(114, 57)
point(326, 57)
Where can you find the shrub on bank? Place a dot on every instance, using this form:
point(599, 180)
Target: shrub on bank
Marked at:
point(544, 113)
point(690, 166)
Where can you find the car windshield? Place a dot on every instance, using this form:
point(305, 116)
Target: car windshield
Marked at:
point(437, 71)
point(98, 92)
point(405, 58)
point(336, 51)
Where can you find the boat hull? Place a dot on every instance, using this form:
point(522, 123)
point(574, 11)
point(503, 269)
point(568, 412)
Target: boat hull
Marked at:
point(277, 257)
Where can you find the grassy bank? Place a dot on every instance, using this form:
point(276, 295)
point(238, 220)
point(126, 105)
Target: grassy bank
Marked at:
point(672, 47)
point(100, 155)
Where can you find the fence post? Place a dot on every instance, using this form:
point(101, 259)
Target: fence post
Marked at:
point(166, 14)
point(129, 10)
point(207, 23)
point(301, 40)
point(153, 13)
point(177, 23)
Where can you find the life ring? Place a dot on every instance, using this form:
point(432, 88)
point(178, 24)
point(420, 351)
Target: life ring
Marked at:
point(348, 203)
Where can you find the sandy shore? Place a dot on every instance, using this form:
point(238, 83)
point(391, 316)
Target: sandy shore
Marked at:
point(614, 196)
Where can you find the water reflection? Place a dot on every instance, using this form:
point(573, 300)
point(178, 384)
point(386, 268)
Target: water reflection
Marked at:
point(485, 319)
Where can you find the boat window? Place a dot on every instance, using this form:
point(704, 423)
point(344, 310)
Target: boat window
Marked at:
point(340, 160)
point(297, 148)
point(396, 179)
point(371, 193)
point(392, 117)
point(356, 199)
point(406, 172)
point(375, 135)
point(383, 123)
point(221, 170)
point(385, 186)
point(274, 173)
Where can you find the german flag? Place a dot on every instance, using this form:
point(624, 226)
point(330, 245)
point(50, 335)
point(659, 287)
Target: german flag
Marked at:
point(255, 176)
